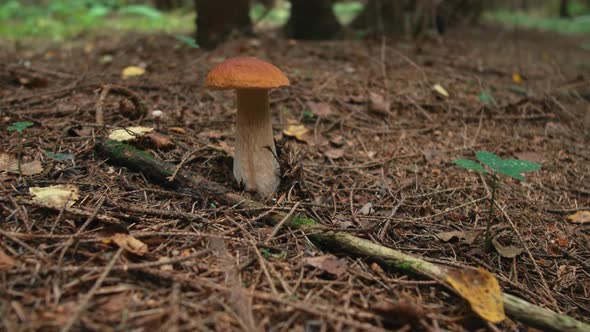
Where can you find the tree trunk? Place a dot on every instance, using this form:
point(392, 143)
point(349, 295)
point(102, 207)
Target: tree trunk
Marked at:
point(563, 9)
point(217, 19)
point(312, 19)
point(383, 17)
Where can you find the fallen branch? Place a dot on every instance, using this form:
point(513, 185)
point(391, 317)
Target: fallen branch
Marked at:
point(159, 171)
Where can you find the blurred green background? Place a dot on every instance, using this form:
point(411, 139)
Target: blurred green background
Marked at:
point(64, 19)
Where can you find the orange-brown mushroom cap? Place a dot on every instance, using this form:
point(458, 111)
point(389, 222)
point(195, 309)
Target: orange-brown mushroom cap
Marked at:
point(246, 73)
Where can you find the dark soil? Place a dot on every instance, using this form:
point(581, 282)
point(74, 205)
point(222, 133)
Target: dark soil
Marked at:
point(398, 158)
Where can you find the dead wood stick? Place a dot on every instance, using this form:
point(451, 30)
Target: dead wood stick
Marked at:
point(122, 91)
point(159, 171)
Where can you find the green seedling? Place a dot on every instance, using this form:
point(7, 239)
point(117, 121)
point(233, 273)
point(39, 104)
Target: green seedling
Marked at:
point(492, 165)
point(19, 127)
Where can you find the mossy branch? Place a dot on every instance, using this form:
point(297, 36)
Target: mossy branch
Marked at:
point(159, 172)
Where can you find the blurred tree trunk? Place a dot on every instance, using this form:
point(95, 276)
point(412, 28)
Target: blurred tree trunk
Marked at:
point(381, 17)
point(217, 19)
point(312, 19)
point(564, 9)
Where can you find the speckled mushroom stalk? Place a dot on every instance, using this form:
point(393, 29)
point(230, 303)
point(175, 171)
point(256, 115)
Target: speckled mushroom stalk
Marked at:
point(255, 162)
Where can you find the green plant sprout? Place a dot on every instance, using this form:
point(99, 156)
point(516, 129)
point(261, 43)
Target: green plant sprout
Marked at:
point(509, 167)
point(19, 127)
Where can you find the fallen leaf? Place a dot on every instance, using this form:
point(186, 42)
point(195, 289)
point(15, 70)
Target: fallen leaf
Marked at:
point(6, 262)
point(178, 130)
point(128, 133)
point(376, 268)
point(296, 130)
point(481, 289)
point(117, 302)
point(337, 140)
point(378, 104)
point(56, 196)
point(159, 141)
point(165, 267)
point(367, 209)
point(132, 71)
point(321, 110)
point(486, 98)
point(440, 90)
point(466, 237)
point(212, 134)
point(129, 243)
point(506, 251)
point(224, 147)
point(529, 156)
point(59, 156)
point(516, 78)
point(402, 312)
point(327, 263)
point(334, 153)
point(580, 217)
point(9, 164)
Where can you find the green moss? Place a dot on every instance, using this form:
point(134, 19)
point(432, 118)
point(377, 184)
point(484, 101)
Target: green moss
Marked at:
point(298, 222)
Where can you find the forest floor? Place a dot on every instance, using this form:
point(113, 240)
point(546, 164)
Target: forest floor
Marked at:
point(377, 160)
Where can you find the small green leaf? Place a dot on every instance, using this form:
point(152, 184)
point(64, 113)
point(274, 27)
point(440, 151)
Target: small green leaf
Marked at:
point(470, 164)
point(308, 115)
point(486, 98)
point(59, 156)
point(188, 41)
point(515, 167)
point(489, 159)
point(19, 126)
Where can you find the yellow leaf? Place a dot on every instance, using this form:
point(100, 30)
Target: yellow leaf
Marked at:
point(128, 133)
point(129, 243)
point(481, 289)
point(440, 90)
point(516, 78)
point(132, 71)
point(580, 217)
point(55, 196)
point(296, 130)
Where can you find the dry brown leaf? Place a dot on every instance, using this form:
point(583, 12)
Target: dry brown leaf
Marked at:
point(6, 262)
point(367, 209)
point(467, 237)
point(530, 156)
point(580, 217)
point(327, 263)
point(481, 289)
point(334, 153)
point(129, 243)
point(378, 104)
point(159, 141)
point(506, 251)
point(178, 130)
point(321, 110)
point(9, 164)
point(56, 196)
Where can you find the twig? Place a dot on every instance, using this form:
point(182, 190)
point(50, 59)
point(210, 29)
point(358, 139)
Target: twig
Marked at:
point(278, 226)
point(84, 303)
point(122, 91)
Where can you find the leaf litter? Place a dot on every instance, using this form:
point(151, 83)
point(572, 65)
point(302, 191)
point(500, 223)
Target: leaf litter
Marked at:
point(413, 199)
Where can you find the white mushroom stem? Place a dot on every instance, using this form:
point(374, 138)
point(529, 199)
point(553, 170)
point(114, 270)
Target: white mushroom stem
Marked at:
point(255, 163)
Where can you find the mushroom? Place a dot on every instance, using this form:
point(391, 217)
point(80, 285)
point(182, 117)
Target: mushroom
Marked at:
point(255, 162)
